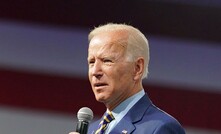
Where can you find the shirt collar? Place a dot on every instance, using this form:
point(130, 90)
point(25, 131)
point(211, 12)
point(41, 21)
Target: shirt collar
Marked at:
point(126, 105)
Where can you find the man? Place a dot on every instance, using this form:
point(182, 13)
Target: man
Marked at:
point(118, 58)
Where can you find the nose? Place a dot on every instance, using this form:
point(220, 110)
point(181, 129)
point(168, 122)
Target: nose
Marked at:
point(96, 70)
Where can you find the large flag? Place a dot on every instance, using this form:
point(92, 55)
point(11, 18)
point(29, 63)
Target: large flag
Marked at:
point(43, 61)
point(43, 74)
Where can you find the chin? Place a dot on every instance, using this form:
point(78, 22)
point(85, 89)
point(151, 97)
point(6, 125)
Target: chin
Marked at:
point(101, 98)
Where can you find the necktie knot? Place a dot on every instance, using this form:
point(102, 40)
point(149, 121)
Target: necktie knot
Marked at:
point(107, 118)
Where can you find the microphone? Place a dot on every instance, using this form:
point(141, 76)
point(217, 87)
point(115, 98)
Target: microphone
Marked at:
point(84, 115)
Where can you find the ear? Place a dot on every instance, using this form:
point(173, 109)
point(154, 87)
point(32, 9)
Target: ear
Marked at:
point(139, 68)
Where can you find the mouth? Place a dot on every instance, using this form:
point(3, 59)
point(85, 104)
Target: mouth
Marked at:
point(97, 85)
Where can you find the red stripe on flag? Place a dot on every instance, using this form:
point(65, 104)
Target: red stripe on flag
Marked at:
point(191, 107)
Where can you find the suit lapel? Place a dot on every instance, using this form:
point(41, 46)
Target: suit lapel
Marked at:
point(125, 127)
point(135, 114)
point(93, 128)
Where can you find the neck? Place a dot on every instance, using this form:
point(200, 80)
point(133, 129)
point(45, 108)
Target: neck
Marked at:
point(111, 105)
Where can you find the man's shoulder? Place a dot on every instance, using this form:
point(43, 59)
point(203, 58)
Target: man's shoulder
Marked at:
point(159, 121)
point(154, 119)
point(154, 112)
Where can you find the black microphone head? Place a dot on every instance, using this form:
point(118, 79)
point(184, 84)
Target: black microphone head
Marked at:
point(85, 114)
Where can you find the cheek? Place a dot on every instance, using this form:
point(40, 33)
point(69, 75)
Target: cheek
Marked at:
point(118, 78)
point(125, 76)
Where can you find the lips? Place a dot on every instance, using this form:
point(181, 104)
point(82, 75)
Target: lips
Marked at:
point(100, 84)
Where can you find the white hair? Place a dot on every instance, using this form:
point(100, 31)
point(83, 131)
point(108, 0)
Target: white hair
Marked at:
point(137, 43)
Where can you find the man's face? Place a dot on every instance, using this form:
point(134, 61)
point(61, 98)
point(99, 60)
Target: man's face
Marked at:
point(110, 75)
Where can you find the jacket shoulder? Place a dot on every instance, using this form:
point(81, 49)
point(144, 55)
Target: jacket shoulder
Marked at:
point(156, 121)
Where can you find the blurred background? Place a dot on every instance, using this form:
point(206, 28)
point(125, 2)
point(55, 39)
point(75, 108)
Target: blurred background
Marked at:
point(43, 60)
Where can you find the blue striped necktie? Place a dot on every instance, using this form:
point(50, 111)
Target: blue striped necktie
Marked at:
point(107, 118)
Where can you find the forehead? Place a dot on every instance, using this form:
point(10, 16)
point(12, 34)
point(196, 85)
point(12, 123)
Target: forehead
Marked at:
point(114, 41)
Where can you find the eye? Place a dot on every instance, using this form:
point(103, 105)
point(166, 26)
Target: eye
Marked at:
point(107, 60)
point(91, 62)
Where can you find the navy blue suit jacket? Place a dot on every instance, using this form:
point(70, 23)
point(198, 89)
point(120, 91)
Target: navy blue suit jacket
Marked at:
point(144, 118)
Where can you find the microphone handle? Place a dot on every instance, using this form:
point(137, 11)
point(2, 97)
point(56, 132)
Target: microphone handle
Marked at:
point(82, 127)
